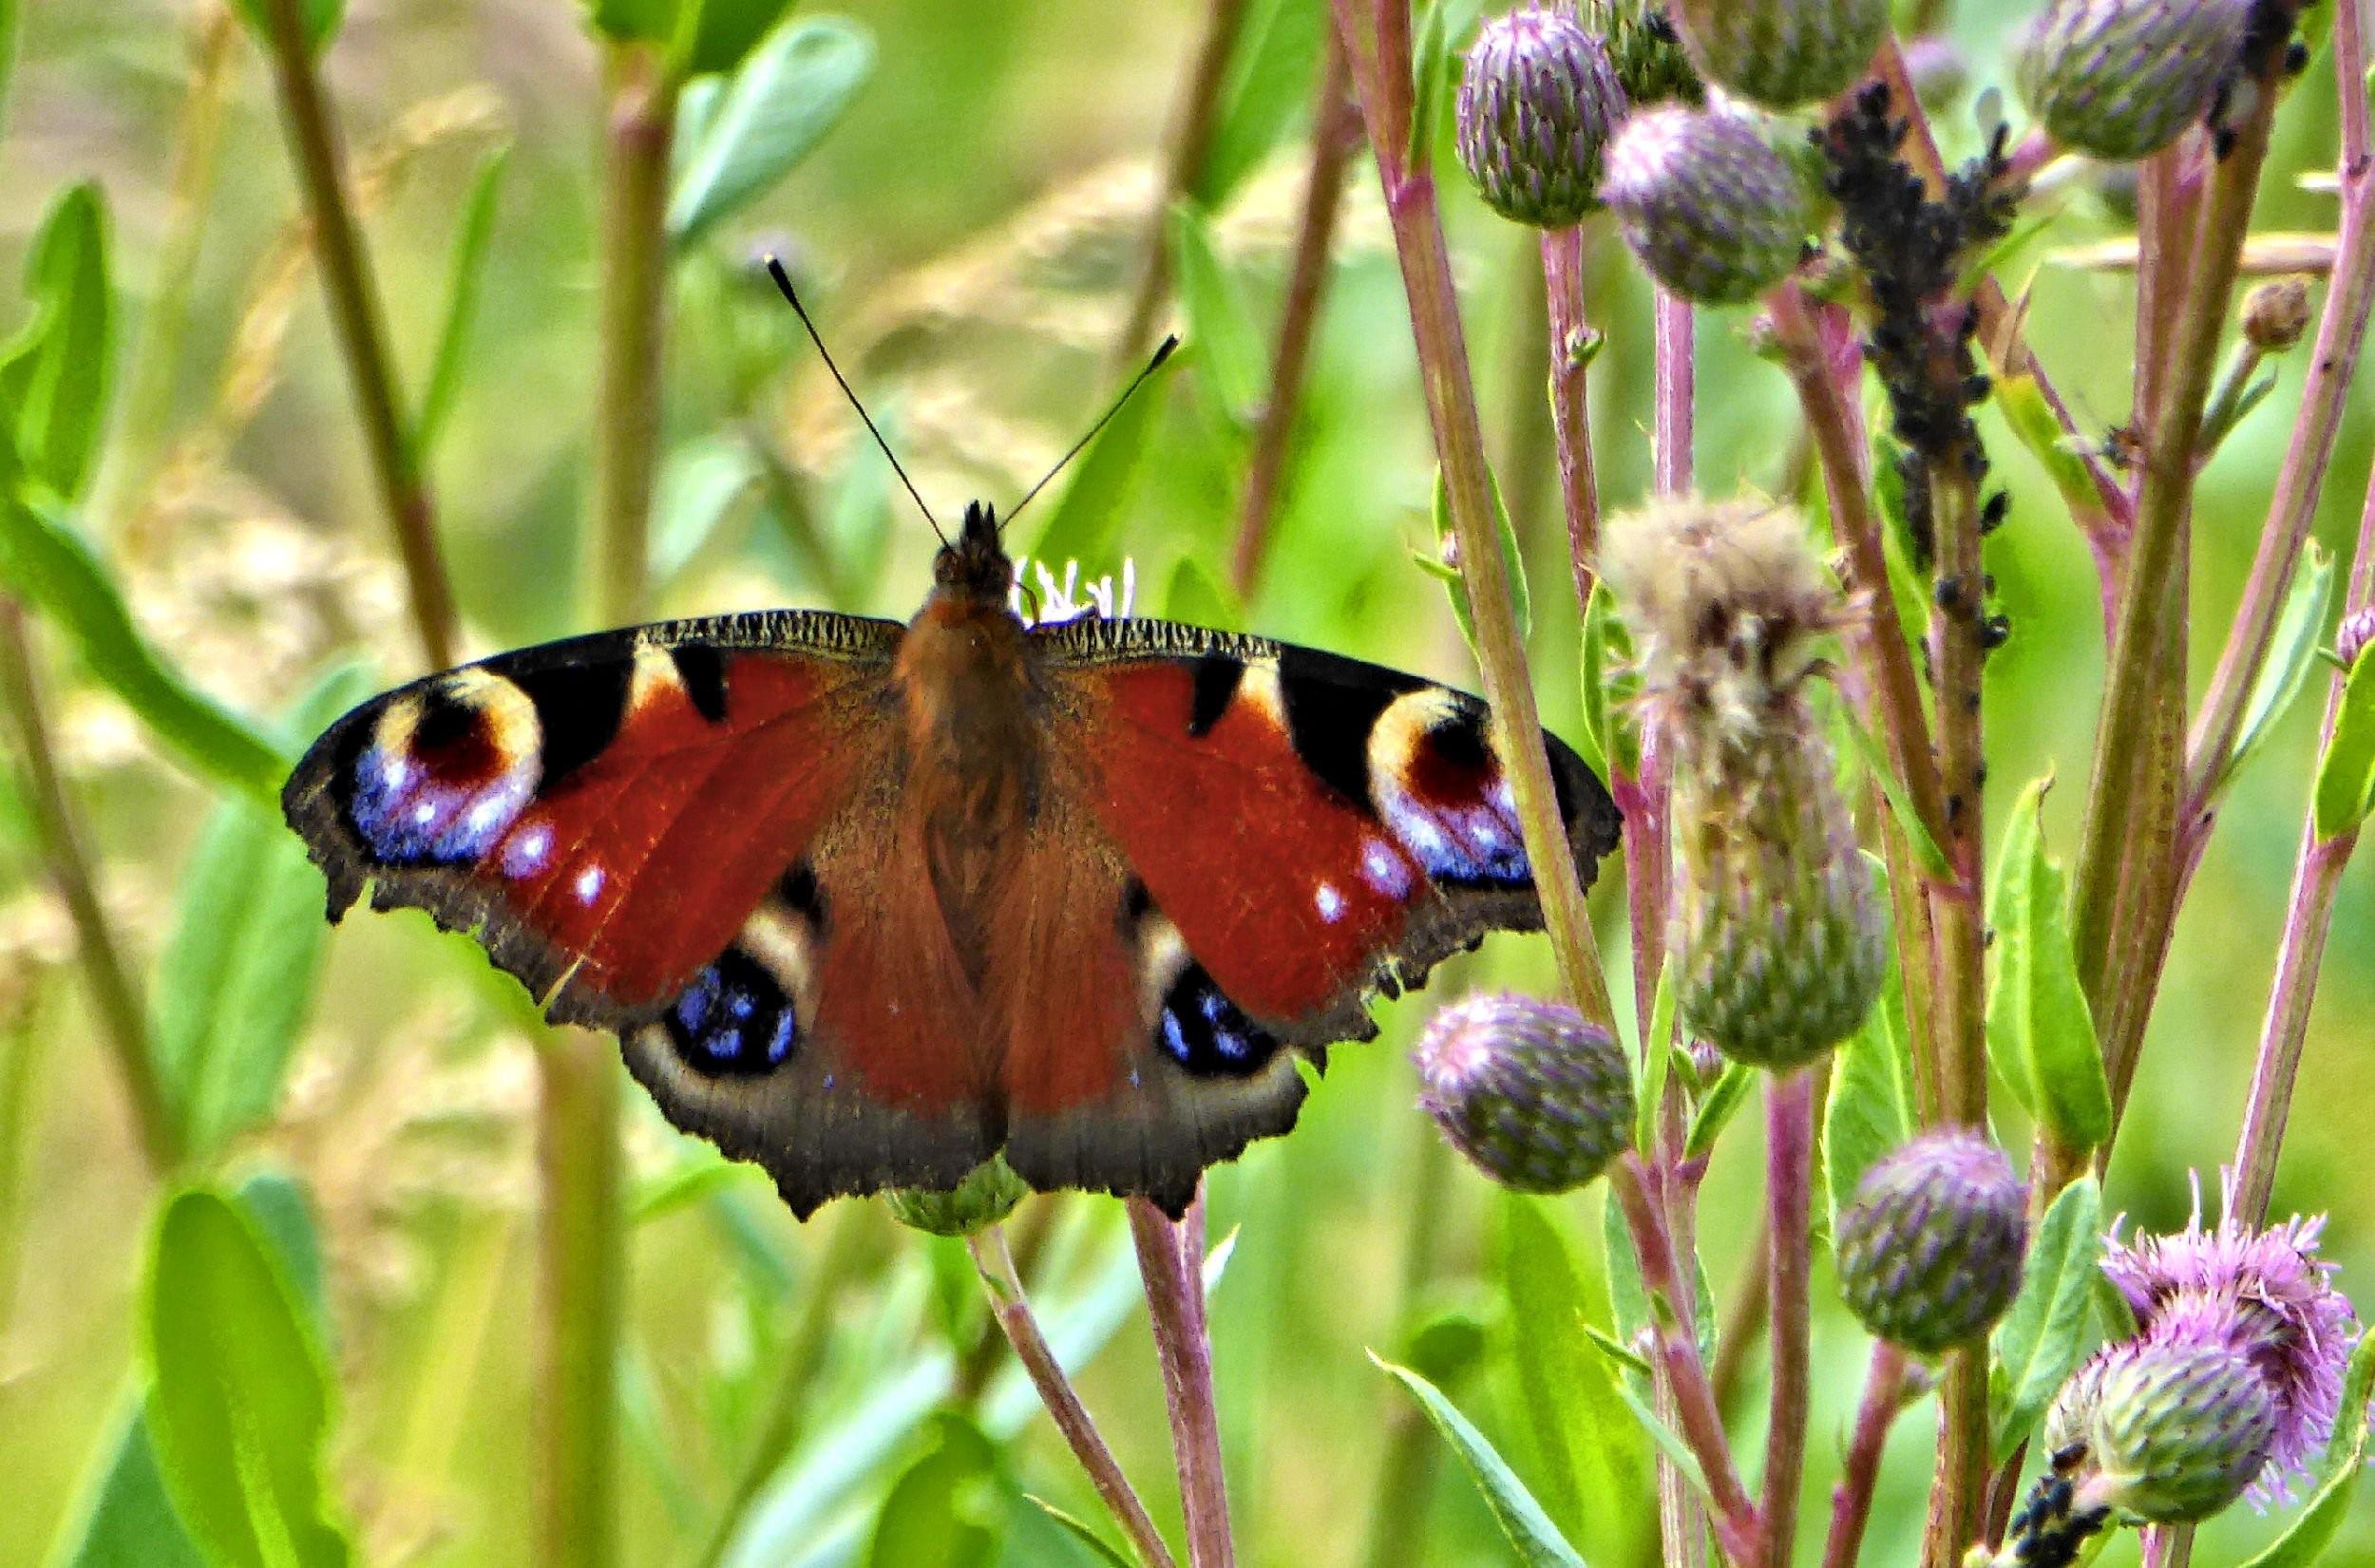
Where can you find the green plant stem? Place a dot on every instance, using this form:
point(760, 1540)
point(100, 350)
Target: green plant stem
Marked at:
point(641, 126)
point(148, 381)
point(1011, 1307)
point(123, 1020)
point(1675, 1351)
point(1335, 131)
point(1194, 118)
point(581, 1287)
point(1380, 53)
point(1170, 1261)
point(847, 1245)
point(2146, 635)
point(1789, 1253)
point(360, 324)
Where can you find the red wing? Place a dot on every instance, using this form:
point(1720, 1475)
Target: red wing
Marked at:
point(1314, 827)
point(676, 833)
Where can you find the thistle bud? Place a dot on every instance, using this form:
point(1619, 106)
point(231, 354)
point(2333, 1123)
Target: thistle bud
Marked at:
point(1705, 201)
point(1782, 53)
point(1780, 939)
point(2351, 637)
point(2122, 79)
point(2177, 1431)
point(1930, 1250)
point(987, 1195)
point(1645, 51)
point(2276, 313)
point(1536, 1097)
point(1536, 103)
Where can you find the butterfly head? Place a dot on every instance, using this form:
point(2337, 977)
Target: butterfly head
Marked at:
point(974, 566)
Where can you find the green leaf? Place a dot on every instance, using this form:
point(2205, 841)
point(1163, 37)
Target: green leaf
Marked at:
point(1445, 1347)
point(461, 295)
point(241, 1401)
point(1196, 596)
point(1267, 85)
point(2039, 1032)
point(1103, 1550)
point(780, 102)
point(2041, 1340)
point(1569, 1399)
point(1536, 1540)
point(1233, 362)
point(2291, 653)
point(630, 21)
point(54, 373)
point(1716, 1110)
point(1869, 1110)
point(717, 35)
point(700, 483)
point(2314, 1528)
point(1089, 513)
point(2023, 403)
point(1512, 559)
point(1875, 758)
point(1595, 679)
point(45, 560)
point(128, 1520)
point(948, 1509)
point(2346, 775)
point(1649, 1087)
point(1430, 68)
point(318, 19)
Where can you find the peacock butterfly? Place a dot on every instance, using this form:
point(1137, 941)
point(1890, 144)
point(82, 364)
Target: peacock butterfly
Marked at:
point(867, 904)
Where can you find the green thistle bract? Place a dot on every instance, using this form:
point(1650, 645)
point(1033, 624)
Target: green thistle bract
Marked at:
point(987, 1195)
point(1709, 206)
point(2122, 79)
point(1536, 1097)
point(1536, 103)
point(1932, 1248)
point(1782, 53)
point(1645, 51)
point(2177, 1429)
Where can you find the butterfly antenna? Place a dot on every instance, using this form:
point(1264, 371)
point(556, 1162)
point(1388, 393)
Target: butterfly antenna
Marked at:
point(783, 282)
point(1137, 381)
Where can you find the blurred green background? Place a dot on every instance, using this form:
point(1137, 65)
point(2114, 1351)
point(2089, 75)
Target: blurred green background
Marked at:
point(968, 236)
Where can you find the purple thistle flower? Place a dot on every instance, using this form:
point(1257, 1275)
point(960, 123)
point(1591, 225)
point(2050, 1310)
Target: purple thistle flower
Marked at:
point(2266, 1294)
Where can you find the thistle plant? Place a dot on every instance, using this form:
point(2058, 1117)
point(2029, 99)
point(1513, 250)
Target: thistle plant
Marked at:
point(1836, 635)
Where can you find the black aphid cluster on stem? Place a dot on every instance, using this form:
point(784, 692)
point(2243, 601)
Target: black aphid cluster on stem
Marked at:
point(2051, 1528)
point(1910, 248)
point(2268, 48)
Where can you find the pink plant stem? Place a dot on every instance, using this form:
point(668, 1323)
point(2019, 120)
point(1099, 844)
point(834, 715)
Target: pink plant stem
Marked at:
point(1677, 386)
point(1789, 1202)
point(1675, 1351)
point(1850, 1499)
point(1170, 1261)
point(1011, 1308)
point(1570, 406)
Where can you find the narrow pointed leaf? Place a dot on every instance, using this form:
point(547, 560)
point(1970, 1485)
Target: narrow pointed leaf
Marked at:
point(782, 100)
point(2045, 1334)
point(1537, 1540)
point(2039, 1031)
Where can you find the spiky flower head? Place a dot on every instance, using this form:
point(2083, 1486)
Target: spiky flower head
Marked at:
point(2276, 313)
point(2268, 1297)
point(1534, 1095)
point(1781, 939)
point(2351, 637)
point(1706, 202)
point(1536, 103)
point(1930, 1249)
point(987, 1195)
point(1646, 51)
point(1782, 53)
point(2178, 1427)
point(2122, 79)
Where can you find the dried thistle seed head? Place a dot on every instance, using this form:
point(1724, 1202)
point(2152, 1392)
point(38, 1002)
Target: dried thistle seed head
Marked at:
point(987, 1195)
point(1781, 939)
point(1646, 51)
point(2122, 79)
point(1710, 207)
point(1782, 53)
point(1536, 1096)
point(2276, 313)
point(2178, 1429)
point(1930, 1250)
point(1536, 103)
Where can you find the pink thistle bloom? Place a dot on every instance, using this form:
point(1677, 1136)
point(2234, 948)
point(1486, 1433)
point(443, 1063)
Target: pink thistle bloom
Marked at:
point(2266, 1294)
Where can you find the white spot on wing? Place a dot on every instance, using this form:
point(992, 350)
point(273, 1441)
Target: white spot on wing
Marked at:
point(1329, 901)
point(588, 885)
point(527, 853)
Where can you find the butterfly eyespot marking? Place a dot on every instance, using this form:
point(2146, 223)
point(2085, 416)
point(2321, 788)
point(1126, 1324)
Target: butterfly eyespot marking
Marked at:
point(445, 770)
point(1194, 1022)
point(1440, 789)
point(734, 1018)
